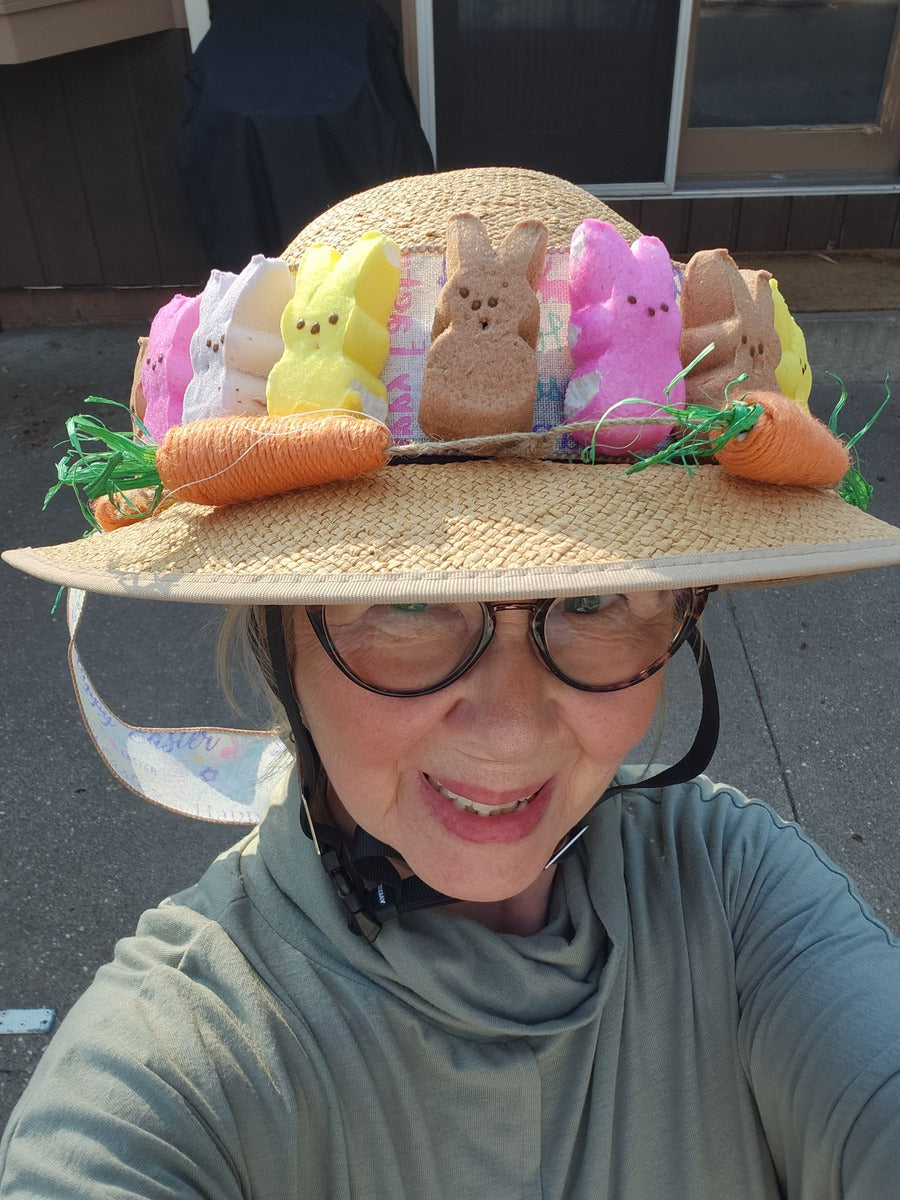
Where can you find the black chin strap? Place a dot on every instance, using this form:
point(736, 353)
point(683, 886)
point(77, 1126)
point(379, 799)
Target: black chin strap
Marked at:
point(365, 879)
point(691, 764)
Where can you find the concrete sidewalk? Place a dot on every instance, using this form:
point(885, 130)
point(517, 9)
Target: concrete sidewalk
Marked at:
point(809, 679)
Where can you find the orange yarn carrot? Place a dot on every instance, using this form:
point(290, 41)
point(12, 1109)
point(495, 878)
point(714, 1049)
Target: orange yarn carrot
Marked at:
point(786, 445)
point(128, 507)
point(216, 461)
point(223, 460)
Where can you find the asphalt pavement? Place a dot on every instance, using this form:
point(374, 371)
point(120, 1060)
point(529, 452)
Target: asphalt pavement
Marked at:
point(809, 679)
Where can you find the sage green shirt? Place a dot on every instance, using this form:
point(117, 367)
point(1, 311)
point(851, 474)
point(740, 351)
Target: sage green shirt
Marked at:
point(711, 1012)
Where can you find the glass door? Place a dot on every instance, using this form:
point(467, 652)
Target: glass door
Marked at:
point(792, 87)
point(580, 88)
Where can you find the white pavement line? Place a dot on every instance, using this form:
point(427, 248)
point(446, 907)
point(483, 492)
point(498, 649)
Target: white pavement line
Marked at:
point(26, 1020)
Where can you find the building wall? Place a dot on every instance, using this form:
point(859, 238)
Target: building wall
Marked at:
point(92, 196)
point(91, 191)
point(769, 223)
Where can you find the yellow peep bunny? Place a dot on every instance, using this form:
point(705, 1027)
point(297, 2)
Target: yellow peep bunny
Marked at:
point(335, 330)
point(793, 373)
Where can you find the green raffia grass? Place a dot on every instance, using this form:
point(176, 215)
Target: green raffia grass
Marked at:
point(124, 462)
point(705, 429)
point(854, 487)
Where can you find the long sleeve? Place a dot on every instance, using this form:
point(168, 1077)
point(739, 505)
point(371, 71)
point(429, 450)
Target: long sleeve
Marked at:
point(159, 1082)
point(818, 981)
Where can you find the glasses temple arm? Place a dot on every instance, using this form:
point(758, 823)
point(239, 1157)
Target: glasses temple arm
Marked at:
point(694, 762)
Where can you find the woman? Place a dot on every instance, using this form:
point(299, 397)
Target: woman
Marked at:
point(467, 950)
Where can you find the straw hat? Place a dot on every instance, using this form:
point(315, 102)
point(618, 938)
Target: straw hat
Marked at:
point(509, 522)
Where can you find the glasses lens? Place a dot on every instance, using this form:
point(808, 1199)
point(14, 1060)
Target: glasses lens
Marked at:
point(404, 647)
point(609, 641)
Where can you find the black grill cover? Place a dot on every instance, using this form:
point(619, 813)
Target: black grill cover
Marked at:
point(293, 106)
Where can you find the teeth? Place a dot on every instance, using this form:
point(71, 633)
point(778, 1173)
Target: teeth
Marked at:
point(483, 810)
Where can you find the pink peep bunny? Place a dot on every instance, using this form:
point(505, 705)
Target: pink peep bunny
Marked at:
point(624, 332)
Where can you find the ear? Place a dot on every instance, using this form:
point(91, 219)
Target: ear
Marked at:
point(263, 289)
point(468, 244)
point(524, 249)
point(368, 272)
point(712, 288)
point(760, 288)
point(215, 292)
point(316, 265)
point(656, 266)
point(599, 254)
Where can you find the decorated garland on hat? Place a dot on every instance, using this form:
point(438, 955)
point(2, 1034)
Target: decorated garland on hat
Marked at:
point(261, 414)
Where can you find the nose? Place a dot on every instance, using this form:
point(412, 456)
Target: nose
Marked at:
point(504, 705)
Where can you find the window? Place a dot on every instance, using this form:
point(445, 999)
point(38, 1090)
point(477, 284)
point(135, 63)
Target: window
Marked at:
point(648, 96)
point(792, 87)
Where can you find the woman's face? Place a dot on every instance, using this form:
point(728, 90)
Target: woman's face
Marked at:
point(508, 738)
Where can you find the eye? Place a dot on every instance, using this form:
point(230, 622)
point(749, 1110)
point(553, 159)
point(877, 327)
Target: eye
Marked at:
point(333, 319)
point(464, 292)
point(632, 299)
point(762, 348)
point(588, 604)
point(744, 340)
point(315, 328)
point(476, 304)
point(301, 324)
point(651, 312)
point(492, 302)
point(752, 351)
point(664, 308)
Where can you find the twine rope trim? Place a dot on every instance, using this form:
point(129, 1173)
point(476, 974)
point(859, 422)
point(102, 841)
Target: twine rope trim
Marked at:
point(514, 445)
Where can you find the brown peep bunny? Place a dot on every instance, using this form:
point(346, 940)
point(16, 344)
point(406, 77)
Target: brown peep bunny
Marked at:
point(733, 309)
point(480, 375)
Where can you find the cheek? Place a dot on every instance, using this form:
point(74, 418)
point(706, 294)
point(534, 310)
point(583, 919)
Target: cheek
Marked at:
point(355, 732)
point(617, 721)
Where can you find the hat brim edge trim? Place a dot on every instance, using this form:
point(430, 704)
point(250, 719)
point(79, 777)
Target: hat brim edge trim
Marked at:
point(732, 569)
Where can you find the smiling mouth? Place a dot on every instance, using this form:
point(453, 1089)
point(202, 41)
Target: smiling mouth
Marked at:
point(481, 810)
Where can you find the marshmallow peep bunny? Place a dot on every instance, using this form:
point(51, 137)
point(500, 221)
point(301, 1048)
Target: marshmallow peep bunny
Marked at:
point(480, 374)
point(237, 340)
point(166, 369)
point(793, 372)
point(733, 311)
point(335, 330)
point(623, 333)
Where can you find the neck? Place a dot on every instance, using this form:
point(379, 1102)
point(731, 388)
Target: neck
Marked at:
point(523, 914)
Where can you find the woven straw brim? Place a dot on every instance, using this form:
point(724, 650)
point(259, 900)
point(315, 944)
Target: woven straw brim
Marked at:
point(477, 530)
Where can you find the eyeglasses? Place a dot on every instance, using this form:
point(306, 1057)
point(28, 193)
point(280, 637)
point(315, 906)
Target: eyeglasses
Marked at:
point(593, 643)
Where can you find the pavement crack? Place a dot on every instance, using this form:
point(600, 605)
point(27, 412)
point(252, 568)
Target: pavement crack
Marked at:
point(783, 773)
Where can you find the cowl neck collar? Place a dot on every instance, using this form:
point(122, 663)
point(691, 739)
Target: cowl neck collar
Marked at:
point(457, 973)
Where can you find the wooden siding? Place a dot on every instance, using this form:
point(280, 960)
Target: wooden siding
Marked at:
point(92, 195)
point(750, 224)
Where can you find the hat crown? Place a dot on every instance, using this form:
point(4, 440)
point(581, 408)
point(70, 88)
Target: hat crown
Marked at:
point(414, 211)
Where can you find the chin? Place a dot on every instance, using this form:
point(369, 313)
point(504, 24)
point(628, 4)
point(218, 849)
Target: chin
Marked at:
point(490, 880)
